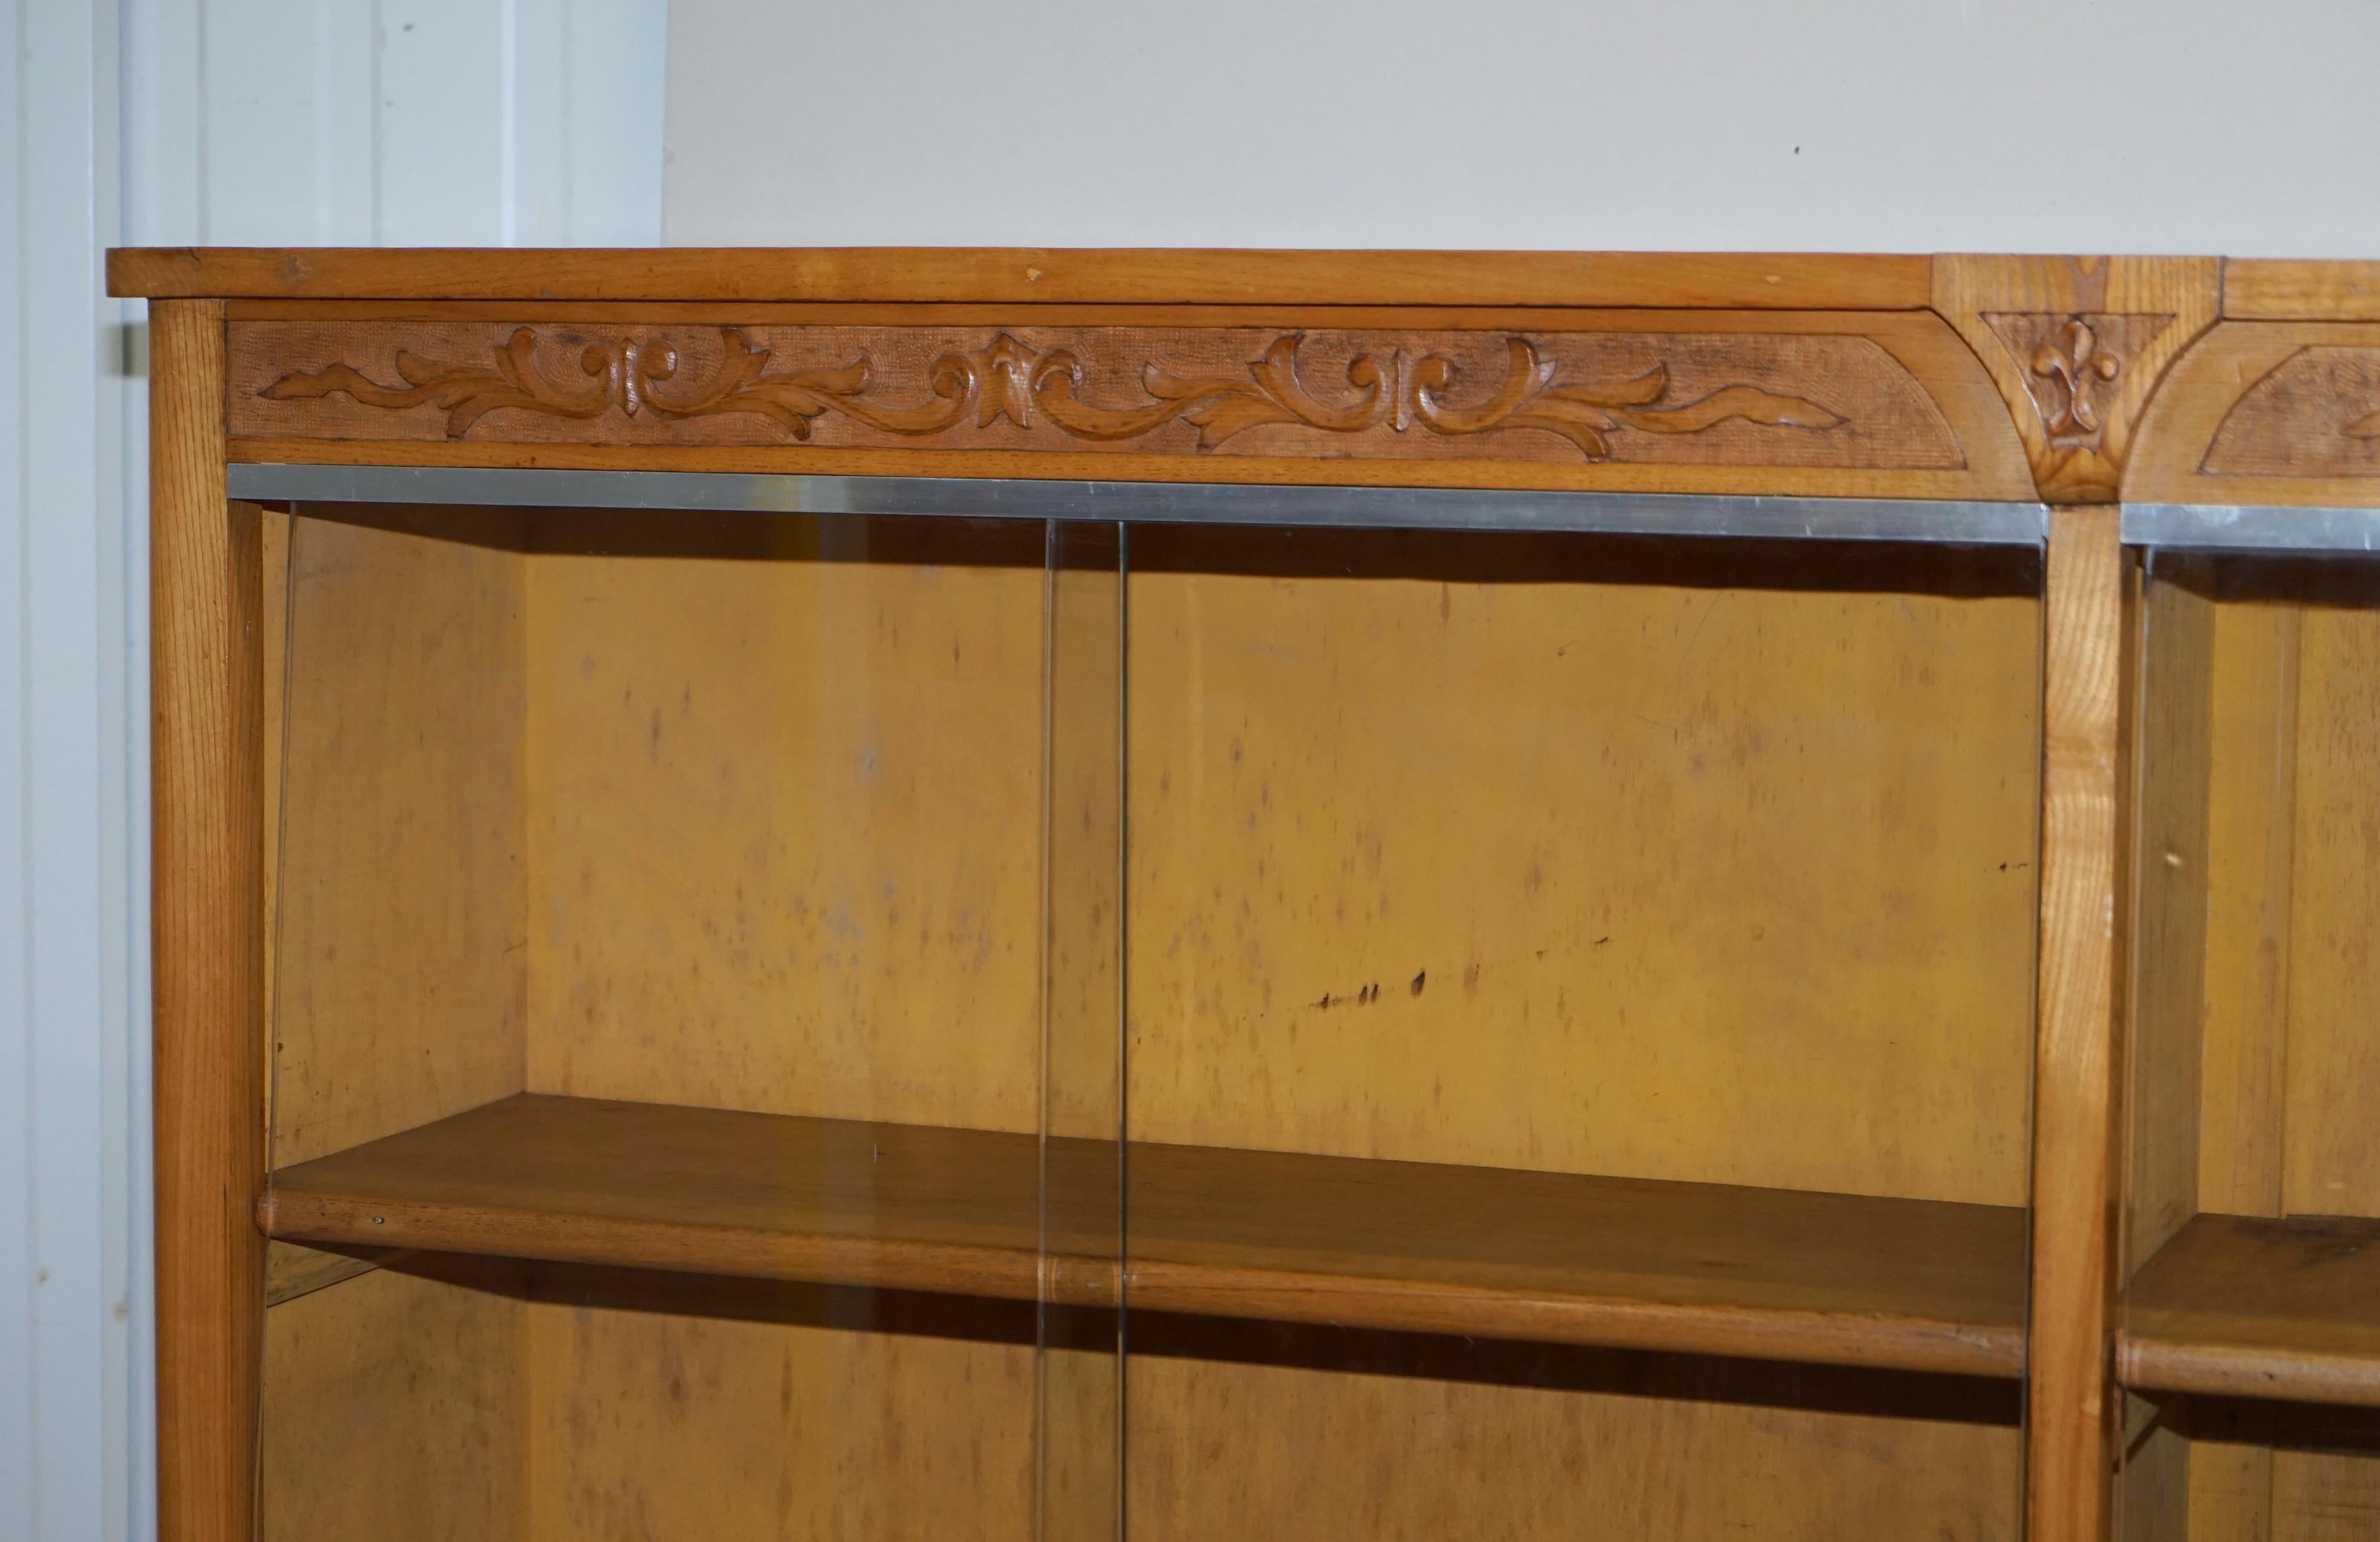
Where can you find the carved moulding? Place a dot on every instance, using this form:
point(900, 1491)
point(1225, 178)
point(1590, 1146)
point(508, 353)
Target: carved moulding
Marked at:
point(2268, 412)
point(1687, 397)
point(2314, 414)
point(2077, 346)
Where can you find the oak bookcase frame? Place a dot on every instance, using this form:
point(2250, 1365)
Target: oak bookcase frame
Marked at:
point(2163, 401)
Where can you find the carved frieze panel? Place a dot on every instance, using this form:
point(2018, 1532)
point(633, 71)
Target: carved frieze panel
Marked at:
point(1684, 397)
point(2267, 412)
point(2315, 414)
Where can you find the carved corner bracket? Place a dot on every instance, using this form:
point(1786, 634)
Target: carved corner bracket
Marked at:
point(2077, 346)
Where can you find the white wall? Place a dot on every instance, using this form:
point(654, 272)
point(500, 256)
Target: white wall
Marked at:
point(262, 122)
point(2235, 127)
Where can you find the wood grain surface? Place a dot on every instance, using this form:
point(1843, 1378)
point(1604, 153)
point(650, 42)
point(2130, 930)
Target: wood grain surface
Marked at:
point(207, 939)
point(1665, 387)
point(785, 785)
point(2251, 853)
point(2266, 413)
point(1554, 1257)
point(2071, 1403)
point(2077, 345)
point(1310, 1434)
point(2297, 289)
point(2331, 1160)
point(395, 1410)
point(1799, 281)
point(399, 864)
point(2254, 1307)
point(1998, 475)
point(1711, 863)
point(2173, 705)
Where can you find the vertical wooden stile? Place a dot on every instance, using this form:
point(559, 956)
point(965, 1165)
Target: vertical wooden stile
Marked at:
point(2068, 1396)
point(206, 683)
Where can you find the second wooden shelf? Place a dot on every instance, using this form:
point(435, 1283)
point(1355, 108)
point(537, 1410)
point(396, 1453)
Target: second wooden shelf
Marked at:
point(1770, 1273)
point(2249, 1307)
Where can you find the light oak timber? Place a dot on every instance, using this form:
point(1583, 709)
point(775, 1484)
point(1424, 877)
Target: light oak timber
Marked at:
point(786, 817)
point(2077, 345)
point(291, 1271)
point(395, 1410)
point(2152, 1500)
point(2172, 702)
point(630, 907)
point(777, 1412)
point(2331, 1078)
point(2297, 289)
point(2231, 1470)
point(1843, 1279)
point(1596, 772)
point(1634, 386)
point(1874, 403)
point(402, 700)
point(1028, 275)
point(2266, 413)
point(2071, 1408)
point(1472, 1437)
point(2252, 854)
point(207, 785)
point(795, 460)
point(2252, 1306)
point(1274, 315)
point(2261, 409)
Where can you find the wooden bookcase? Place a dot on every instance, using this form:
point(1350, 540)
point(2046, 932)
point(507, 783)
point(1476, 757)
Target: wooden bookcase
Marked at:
point(991, 894)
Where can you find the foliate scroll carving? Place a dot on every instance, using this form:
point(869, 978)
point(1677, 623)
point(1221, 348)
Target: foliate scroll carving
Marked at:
point(1005, 378)
point(2314, 414)
point(1763, 398)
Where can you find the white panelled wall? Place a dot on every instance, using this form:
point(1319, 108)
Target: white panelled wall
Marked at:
point(155, 122)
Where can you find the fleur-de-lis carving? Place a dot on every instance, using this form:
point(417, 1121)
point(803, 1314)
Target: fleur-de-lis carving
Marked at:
point(2077, 362)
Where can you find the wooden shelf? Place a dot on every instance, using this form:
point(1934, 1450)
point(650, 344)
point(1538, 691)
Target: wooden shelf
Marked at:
point(2242, 1306)
point(1770, 1273)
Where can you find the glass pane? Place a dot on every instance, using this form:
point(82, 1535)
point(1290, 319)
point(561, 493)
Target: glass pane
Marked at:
point(2251, 1318)
point(670, 1012)
point(1082, 1365)
point(1579, 1035)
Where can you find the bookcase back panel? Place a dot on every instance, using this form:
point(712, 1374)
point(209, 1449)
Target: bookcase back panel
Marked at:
point(785, 828)
point(1587, 855)
point(500, 1401)
point(1441, 850)
point(2331, 1164)
point(2256, 1062)
point(397, 873)
point(1478, 1440)
point(643, 1422)
point(766, 832)
point(709, 814)
point(397, 1410)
